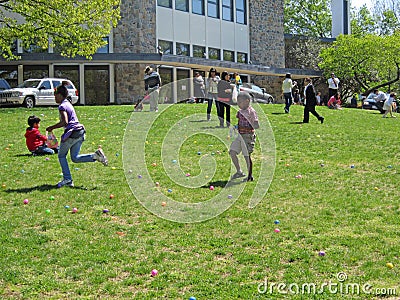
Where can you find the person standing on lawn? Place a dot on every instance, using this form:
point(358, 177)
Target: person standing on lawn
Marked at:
point(72, 138)
point(212, 89)
point(287, 86)
point(245, 141)
point(311, 101)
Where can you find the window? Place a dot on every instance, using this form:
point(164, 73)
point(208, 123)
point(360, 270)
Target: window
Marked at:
point(182, 49)
point(166, 47)
point(227, 10)
point(165, 3)
point(242, 57)
point(199, 51)
point(182, 5)
point(198, 7)
point(105, 48)
point(229, 55)
point(241, 12)
point(213, 8)
point(45, 85)
point(214, 53)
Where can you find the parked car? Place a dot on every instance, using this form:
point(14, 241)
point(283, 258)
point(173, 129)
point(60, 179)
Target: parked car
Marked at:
point(257, 94)
point(4, 85)
point(371, 103)
point(34, 92)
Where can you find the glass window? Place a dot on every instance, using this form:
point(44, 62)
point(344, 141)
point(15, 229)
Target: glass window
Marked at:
point(198, 7)
point(214, 53)
point(165, 3)
point(229, 55)
point(182, 49)
point(182, 5)
point(35, 71)
point(242, 57)
point(213, 8)
point(45, 85)
point(105, 48)
point(199, 51)
point(166, 47)
point(241, 12)
point(227, 10)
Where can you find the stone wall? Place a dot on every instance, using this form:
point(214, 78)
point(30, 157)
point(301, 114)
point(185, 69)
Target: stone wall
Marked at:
point(135, 33)
point(267, 43)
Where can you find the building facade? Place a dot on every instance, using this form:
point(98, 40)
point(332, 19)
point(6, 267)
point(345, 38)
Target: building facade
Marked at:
point(178, 37)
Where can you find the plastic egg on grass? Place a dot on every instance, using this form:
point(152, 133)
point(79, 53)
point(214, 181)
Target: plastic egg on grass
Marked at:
point(276, 222)
point(321, 253)
point(229, 196)
point(105, 211)
point(198, 153)
point(154, 273)
point(390, 265)
point(352, 166)
point(47, 158)
point(174, 161)
point(74, 210)
point(26, 201)
point(163, 203)
point(66, 206)
point(52, 198)
point(192, 298)
point(211, 187)
point(169, 191)
point(376, 188)
point(47, 211)
point(187, 174)
point(277, 230)
point(112, 196)
point(139, 176)
point(3, 186)
point(298, 176)
point(154, 164)
point(157, 184)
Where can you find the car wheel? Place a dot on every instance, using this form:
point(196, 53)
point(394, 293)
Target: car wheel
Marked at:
point(29, 102)
point(270, 100)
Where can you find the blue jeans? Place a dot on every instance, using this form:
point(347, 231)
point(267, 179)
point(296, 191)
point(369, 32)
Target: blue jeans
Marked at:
point(74, 146)
point(42, 150)
point(288, 101)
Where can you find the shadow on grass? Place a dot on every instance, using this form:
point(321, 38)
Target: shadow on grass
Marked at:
point(278, 113)
point(300, 122)
point(23, 155)
point(44, 187)
point(222, 183)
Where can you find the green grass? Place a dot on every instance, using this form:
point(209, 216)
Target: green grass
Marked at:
point(350, 213)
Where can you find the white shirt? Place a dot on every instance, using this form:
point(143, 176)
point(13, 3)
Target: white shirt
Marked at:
point(381, 96)
point(332, 81)
point(287, 85)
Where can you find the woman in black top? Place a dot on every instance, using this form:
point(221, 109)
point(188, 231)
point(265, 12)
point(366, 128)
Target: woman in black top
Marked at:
point(224, 99)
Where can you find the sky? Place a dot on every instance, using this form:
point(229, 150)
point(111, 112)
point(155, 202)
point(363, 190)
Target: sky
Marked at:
point(359, 3)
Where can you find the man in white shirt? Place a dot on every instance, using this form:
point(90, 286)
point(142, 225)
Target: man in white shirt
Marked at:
point(333, 83)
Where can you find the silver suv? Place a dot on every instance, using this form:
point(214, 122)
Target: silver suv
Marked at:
point(37, 92)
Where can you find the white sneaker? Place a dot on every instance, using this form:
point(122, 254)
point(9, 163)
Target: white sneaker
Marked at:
point(65, 182)
point(100, 157)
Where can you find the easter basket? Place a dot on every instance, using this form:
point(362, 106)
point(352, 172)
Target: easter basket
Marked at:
point(52, 141)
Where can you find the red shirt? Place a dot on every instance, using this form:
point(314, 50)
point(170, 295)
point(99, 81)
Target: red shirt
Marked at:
point(34, 139)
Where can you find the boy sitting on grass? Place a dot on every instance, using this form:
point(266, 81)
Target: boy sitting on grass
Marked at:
point(247, 123)
point(35, 141)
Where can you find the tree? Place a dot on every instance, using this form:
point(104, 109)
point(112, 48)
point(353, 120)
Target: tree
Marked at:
point(311, 19)
point(362, 22)
point(71, 27)
point(363, 63)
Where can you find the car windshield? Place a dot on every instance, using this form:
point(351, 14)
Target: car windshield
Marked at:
point(256, 88)
point(29, 84)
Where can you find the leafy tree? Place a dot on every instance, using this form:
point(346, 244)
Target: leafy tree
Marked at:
point(362, 22)
point(363, 63)
point(312, 18)
point(71, 27)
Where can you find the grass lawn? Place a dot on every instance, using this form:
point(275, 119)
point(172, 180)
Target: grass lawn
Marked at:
point(345, 203)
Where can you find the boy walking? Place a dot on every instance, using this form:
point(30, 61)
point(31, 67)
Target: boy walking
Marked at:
point(245, 141)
